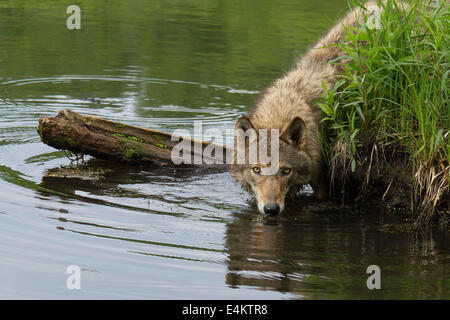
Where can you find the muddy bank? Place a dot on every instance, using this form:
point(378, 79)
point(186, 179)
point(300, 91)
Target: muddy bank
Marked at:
point(384, 174)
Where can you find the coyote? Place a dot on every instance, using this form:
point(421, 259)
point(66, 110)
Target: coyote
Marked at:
point(288, 105)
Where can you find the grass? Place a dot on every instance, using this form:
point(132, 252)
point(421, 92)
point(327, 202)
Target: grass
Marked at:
point(390, 110)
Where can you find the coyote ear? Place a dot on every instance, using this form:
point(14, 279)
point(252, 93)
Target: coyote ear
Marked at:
point(245, 134)
point(296, 133)
point(244, 123)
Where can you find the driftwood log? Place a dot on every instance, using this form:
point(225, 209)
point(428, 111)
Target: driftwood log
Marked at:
point(105, 139)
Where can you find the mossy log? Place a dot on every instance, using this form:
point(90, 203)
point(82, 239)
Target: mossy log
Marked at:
point(105, 139)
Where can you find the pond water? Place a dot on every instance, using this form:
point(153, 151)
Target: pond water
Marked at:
point(145, 232)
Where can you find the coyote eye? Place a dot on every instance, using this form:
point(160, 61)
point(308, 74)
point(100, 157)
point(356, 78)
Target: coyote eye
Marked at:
point(256, 170)
point(285, 171)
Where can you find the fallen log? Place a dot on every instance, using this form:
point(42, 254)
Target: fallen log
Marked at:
point(106, 139)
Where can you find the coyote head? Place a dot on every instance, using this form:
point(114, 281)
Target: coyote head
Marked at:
point(270, 182)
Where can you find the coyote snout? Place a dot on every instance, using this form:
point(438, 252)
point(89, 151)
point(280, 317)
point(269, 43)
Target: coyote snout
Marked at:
point(270, 190)
point(290, 166)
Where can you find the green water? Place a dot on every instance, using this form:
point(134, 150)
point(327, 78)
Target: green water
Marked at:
point(143, 232)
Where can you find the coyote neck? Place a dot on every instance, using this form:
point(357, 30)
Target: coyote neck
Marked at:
point(326, 50)
point(295, 93)
point(314, 66)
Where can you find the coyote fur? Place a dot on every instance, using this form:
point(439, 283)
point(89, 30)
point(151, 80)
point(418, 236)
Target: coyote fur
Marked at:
point(288, 106)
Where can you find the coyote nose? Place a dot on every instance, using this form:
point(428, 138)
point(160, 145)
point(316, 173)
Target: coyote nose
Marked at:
point(272, 209)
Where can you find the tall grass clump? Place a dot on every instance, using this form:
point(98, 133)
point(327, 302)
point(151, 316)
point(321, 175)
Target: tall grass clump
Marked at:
point(388, 116)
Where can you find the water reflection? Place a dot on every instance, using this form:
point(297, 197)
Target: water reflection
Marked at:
point(325, 255)
point(156, 190)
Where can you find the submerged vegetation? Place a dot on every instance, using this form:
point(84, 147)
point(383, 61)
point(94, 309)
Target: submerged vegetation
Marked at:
point(388, 116)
